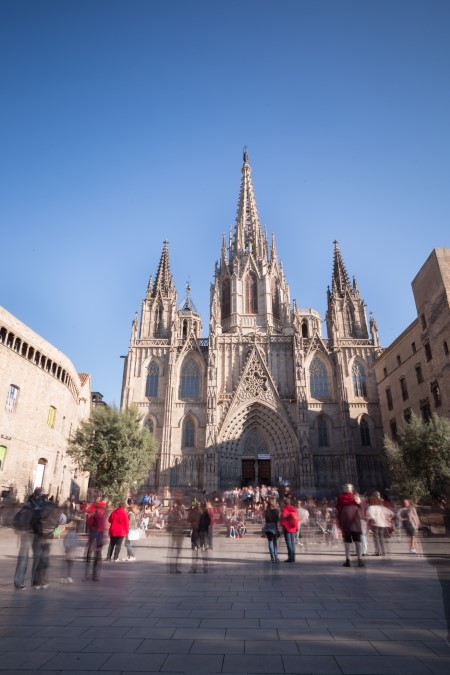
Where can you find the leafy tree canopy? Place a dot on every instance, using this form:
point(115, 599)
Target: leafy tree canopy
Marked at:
point(419, 461)
point(115, 449)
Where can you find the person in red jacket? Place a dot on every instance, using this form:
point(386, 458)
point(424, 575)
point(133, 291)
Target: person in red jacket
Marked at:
point(118, 530)
point(289, 522)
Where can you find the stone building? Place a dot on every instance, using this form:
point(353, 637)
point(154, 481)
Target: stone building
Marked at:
point(42, 400)
point(413, 373)
point(266, 395)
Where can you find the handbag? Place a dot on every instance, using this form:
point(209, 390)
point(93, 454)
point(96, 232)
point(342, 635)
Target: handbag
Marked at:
point(133, 535)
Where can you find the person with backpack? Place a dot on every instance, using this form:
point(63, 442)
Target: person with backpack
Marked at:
point(289, 522)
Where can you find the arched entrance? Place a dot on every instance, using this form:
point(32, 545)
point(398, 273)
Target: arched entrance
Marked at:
point(257, 445)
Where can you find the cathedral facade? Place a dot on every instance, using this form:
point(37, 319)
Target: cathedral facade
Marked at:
point(266, 396)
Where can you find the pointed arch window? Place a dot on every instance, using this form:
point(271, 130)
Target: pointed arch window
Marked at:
point(251, 294)
point(318, 379)
point(226, 298)
point(365, 433)
point(359, 379)
point(275, 299)
point(350, 320)
point(188, 433)
point(190, 380)
point(304, 328)
point(151, 385)
point(158, 319)
point(149, 425)
point(322, 432)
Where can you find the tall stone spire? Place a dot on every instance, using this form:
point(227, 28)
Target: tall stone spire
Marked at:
point(163, 281)
point(340, 279)
point(248, 228)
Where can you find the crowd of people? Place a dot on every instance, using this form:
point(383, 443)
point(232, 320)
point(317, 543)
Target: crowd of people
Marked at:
point(350, 517)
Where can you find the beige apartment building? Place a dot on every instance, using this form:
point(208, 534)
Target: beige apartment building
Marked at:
point(265, 395)
point(413, 373)
point(42, 400)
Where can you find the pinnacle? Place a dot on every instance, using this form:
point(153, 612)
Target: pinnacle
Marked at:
point(163, 280)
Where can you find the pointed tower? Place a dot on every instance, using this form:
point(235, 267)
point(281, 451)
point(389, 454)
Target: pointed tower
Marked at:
point(346, 315)
point(159, 305)
point(190, 322)
point(250, 294)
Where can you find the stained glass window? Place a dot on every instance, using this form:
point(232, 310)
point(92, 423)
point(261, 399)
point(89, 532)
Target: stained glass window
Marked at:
point(318, 379)
point(322, 429)
point(190, 380)
point(188, 433)
point(151, 385)
point(148, 424)
point(359, 379)
point(275, 299)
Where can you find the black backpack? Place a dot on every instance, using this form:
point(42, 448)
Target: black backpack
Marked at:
point(22, 519)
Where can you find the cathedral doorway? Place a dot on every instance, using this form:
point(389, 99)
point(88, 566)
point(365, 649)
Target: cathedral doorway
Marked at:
point(248, 471)
point(256, 472)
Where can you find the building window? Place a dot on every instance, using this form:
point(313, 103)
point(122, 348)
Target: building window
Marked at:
point(399, 361)
point(159, 311)
point(428, 353)
point(275, 299)
point(393, 426)
point(413, 347)
point(404, 388)
point(424, 321)
point(11, 399)
point(322, 433)
point(304, 329)
point(190, 380)
point(425, 410)
point(51, 417)
point(188, 433)
point(151, 385)
point(445, 345)
point(40, 471)
point(385, 372)
point(365, 433)
point(149, 425)
point(359, 380)
point(251, 294)
point(419, 374)
point(2, 456)
point(407, 415)
point(390, 403)
point(436, 393)
point(226, 298)
point(318, 379)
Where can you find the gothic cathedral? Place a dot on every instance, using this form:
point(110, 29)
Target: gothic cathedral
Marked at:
point(265, 397)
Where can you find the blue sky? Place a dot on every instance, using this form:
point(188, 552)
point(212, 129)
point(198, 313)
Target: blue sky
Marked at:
point(122, 124)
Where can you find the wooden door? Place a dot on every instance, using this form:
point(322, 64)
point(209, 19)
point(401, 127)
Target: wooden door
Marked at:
point(248, 471)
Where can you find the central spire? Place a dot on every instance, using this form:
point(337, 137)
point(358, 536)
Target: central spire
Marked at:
point(248, 228)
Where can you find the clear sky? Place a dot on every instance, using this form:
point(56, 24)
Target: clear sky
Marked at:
point(122, 124)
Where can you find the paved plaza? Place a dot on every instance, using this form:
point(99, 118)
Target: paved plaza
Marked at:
point(238, 614)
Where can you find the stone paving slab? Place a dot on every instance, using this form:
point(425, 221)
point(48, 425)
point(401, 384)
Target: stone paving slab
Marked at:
point(244, 616)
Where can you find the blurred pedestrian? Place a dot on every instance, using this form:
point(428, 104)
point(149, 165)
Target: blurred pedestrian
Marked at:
point(176, 525)
point(96, 526)
point(271, 518)
point(289, 522)
point(119, 526)
point(411, 523)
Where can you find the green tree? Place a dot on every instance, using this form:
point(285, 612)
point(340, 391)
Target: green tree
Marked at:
point(115, 449)
point(419, 461)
